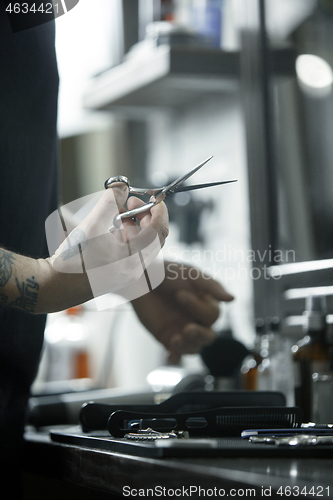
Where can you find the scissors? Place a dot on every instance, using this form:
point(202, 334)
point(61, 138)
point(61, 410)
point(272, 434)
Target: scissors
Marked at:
point(159, 193)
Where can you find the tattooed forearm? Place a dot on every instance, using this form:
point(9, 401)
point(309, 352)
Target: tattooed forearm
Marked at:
point(28, 290)
point(6, 266)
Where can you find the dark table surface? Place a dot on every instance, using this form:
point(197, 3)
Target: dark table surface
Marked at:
point(129, 476)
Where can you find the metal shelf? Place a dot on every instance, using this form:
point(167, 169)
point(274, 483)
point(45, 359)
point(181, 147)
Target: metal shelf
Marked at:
point(172, 77)
point(166, 77)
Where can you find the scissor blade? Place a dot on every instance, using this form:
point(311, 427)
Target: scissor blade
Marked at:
point(170, 188)
point(201, 186)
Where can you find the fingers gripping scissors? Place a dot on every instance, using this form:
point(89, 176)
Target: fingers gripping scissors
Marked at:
point(159, 193)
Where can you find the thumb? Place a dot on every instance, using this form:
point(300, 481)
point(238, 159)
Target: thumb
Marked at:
point(108, 206)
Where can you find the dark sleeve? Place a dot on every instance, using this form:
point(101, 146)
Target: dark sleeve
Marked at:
point(28, 194)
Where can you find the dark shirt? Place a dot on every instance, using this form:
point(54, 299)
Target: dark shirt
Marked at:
point(28, 194)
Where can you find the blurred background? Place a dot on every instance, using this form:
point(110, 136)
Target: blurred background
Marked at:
point(149, 89)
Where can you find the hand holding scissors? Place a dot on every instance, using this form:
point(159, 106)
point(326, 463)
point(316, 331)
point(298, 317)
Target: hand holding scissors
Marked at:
point(159, 193)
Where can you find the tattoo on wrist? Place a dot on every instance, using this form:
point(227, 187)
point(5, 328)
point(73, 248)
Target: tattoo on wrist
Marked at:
point(28, 290)
point(6, 266)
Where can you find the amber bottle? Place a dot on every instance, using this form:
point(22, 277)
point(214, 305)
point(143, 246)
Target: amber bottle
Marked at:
point(311, 354)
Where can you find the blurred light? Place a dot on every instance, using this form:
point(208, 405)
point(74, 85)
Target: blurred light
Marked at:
point(182, 199)
point(159, 178)
point(166, 377)
point(53, 334)
point(303, 293)
point(315, 75)
point(300, 267)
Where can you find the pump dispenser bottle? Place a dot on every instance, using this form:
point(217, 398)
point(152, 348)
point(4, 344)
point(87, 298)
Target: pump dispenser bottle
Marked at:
point(311, 354)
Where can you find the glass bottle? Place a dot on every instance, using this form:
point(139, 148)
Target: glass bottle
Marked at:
point(267, 370)
point(77, 336)
point(249, 369)
point(311, 354)
point(167, 10)
point(67, 346)
point(282, 363)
